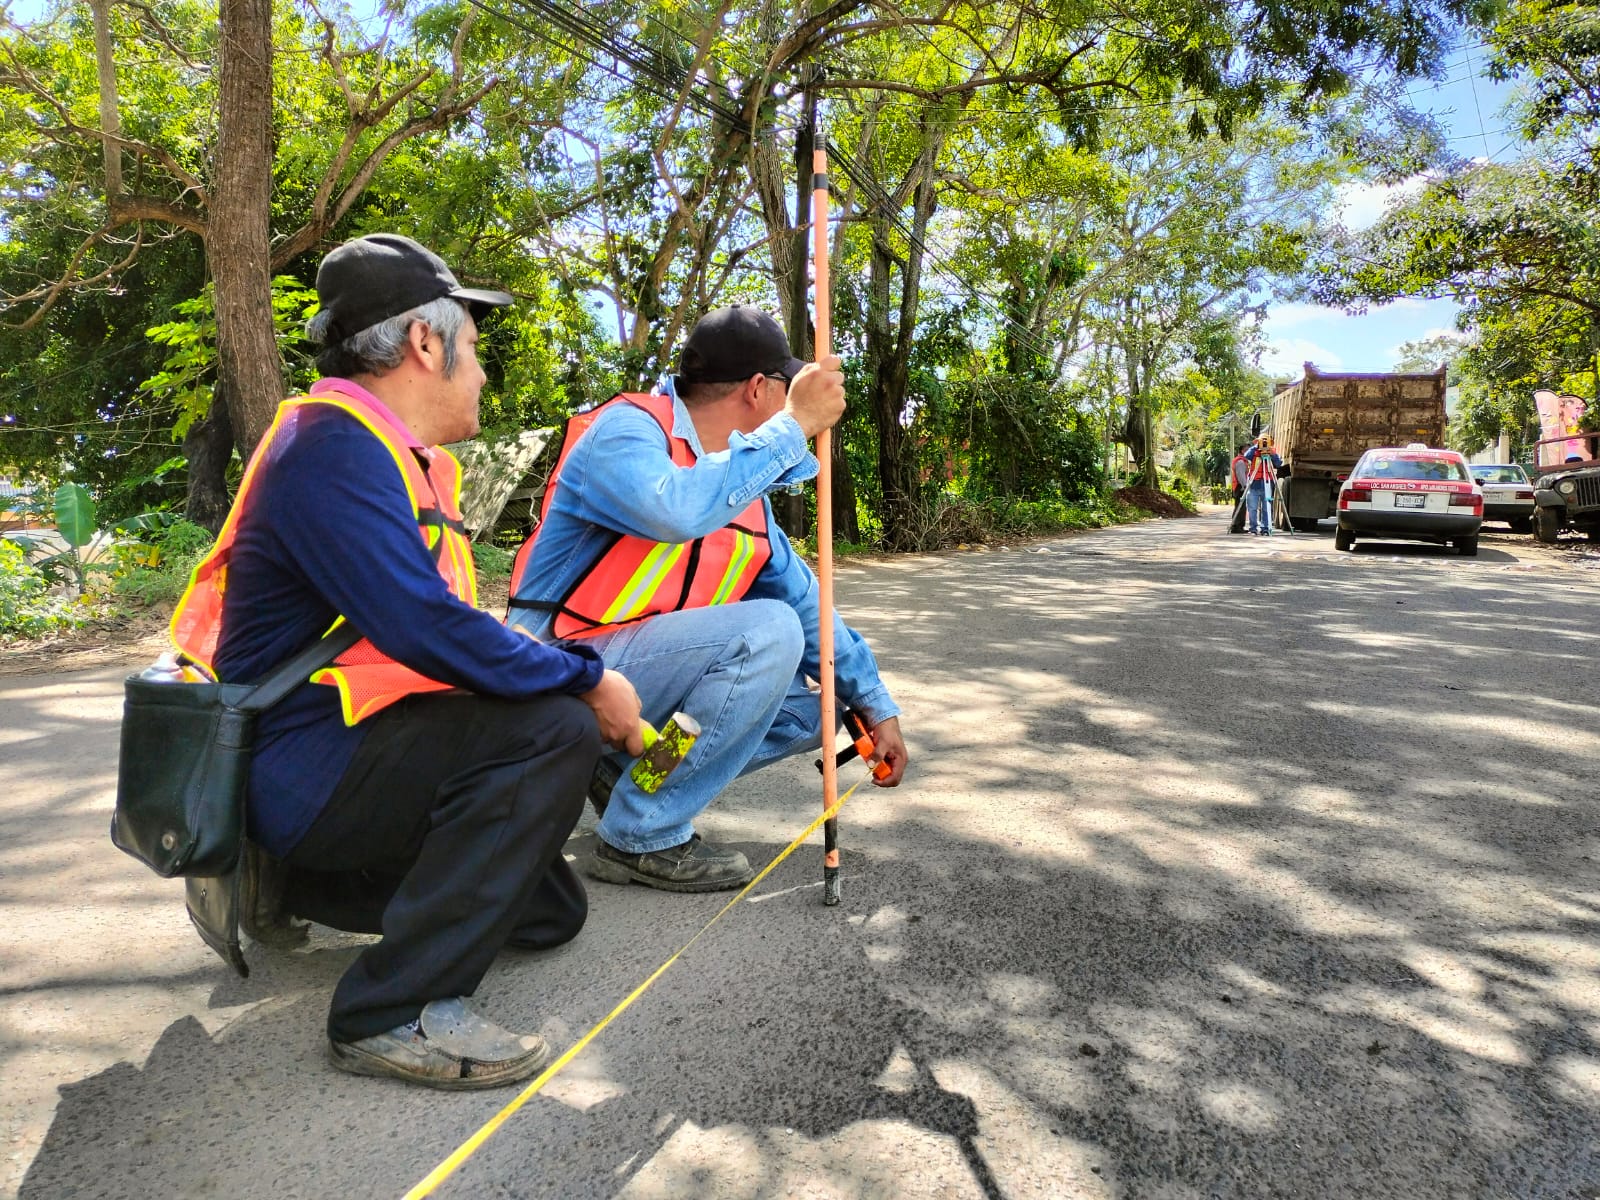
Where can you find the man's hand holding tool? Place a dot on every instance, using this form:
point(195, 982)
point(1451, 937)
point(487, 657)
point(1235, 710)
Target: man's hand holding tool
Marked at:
point(888, 751)
point(616, 705)
point(881, 747)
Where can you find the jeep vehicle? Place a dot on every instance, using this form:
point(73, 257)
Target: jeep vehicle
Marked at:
point(1567, 493)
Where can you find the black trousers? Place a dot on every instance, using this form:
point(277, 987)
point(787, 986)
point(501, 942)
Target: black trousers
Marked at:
point(1237, 524)
point(445, 836)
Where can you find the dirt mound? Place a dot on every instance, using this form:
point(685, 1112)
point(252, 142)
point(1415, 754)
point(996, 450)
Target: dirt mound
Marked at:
point(1153, 501)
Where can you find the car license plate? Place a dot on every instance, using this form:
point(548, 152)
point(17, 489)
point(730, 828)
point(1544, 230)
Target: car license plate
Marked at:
point(1410, 500)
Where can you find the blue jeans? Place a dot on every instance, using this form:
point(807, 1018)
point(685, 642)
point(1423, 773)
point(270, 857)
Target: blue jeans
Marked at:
point(1258, 510)
point(735, 668)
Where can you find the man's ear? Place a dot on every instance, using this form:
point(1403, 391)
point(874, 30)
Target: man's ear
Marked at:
point(418, 336)
point(751, 393)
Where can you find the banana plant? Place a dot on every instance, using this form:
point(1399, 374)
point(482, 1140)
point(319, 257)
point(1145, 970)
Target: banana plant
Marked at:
point(73, 552)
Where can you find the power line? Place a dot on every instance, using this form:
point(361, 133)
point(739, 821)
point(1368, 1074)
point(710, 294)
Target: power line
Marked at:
point(1478, 108)
point(676, 90)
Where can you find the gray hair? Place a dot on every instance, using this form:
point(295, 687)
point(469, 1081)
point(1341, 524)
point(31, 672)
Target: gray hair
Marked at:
point(381, 347)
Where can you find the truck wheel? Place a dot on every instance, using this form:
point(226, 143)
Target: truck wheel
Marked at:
point(1304, 524)
point(1467, 547)
point(1344, 540)
point(1546, 524)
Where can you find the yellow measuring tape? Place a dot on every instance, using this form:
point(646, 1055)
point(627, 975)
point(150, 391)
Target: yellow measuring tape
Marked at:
point(469, 1147)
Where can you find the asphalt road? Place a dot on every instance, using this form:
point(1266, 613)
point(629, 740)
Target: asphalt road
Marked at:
point(1227, 867)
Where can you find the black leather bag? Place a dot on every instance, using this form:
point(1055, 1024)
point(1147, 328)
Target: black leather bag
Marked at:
point(181, 774)
point(181, 777)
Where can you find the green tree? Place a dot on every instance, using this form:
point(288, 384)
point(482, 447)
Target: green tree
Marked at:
point(259, 157)
point(1423, 355)
point(1514, 244)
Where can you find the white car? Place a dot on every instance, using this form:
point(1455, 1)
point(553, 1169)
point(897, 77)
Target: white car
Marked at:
point(1507, 494)
point(1415, 493)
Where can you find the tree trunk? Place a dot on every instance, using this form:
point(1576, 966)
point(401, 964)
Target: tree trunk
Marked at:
point(209, 448)
point(1147, 475)
point(249, 371)
point(789, 259)
point(110, 115)
point(889, 364)
point(845, 525)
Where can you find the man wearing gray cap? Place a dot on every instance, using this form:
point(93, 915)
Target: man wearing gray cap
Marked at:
point(423, 784)
point(657, 548)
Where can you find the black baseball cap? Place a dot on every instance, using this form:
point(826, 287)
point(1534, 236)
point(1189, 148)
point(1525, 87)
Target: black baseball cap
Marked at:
point(382, 275)
point(734, 343)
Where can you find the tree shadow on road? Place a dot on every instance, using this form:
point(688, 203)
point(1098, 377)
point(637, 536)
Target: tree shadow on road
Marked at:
point(1244, 883)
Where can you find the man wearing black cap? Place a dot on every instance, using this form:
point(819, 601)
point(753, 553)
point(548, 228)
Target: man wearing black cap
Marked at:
point(658, 549)
point(423, 785)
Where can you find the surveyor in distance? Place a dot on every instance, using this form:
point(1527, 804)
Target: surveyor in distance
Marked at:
point(1239, 478)
point(658, 548)
point(422, 787)
point(1264, 465)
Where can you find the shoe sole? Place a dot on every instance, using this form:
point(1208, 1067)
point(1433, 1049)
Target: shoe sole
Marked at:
point(359, 1062)
point(614, 872)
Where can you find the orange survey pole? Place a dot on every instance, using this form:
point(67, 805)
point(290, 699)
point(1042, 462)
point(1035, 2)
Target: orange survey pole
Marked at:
point(824, 343)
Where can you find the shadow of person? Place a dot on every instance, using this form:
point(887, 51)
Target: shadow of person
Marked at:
point(236, 1101)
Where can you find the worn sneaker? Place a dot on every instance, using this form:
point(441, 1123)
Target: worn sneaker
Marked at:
point(606, 774)
point(448, 1046)
point(694, 866)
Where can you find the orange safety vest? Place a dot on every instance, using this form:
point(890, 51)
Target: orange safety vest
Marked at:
point(634, 578)
point(368, 680)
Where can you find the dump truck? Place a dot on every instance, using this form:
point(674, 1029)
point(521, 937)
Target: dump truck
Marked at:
point(1323, 423)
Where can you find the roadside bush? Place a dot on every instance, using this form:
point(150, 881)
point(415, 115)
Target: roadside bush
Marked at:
point(156, 568)
point(27, 608)
point(1178, 486)
point(955, 519)
point(492, 560)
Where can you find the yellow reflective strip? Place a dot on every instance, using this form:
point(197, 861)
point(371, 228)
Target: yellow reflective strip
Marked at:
point(744, 548)
point(346, 700)
point(470, 569)
point(641, 588)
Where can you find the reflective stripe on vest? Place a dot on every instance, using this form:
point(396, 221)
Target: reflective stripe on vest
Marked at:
point(368, 680)
point(634, 578)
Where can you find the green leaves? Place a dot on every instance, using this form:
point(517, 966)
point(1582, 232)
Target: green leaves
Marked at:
point(75, 515)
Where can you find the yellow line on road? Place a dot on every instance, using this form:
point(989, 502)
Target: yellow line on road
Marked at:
point(469, 1147)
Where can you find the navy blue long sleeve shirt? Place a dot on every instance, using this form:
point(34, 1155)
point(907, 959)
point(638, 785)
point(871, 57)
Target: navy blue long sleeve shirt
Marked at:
point(330, 531)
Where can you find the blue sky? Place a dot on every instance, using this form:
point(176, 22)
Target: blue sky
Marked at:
point(1469, 107)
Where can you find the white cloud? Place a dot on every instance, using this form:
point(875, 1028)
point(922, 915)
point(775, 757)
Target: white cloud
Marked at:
point(1359, 205)
point(1287, 356)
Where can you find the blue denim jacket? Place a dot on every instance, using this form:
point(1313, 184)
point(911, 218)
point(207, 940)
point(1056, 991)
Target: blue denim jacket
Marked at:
point(620, 478)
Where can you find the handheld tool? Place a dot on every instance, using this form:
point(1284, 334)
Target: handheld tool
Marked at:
point(860, 744)
point(663, 751)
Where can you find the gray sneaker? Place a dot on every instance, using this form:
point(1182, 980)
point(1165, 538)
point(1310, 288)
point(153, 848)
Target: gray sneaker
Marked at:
point(694, 866)
point(448, 1046)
